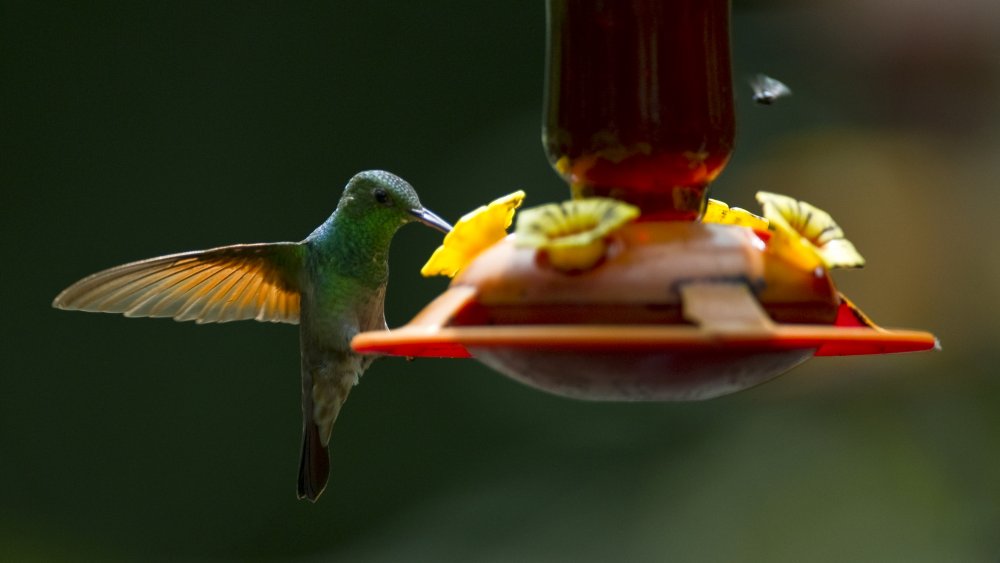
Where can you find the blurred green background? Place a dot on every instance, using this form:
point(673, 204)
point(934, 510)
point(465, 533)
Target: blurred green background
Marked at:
point(136, 129)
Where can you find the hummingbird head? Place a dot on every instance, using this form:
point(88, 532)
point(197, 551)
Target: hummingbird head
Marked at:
point(378, 197)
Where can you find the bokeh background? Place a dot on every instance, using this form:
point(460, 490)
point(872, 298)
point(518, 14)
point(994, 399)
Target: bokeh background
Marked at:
point(131, 129)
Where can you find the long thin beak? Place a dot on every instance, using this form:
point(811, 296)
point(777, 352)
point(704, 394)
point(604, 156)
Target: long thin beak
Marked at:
point(431, 220)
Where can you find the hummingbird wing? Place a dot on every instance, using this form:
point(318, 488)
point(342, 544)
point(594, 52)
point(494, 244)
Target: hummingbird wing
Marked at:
point(228, 283)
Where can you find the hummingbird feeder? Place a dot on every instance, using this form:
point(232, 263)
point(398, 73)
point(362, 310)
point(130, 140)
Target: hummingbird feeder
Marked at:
point(641, 288)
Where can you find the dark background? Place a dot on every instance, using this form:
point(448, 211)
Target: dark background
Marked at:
point(136, 129)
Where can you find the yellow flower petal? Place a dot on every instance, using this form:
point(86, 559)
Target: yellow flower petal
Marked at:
point(715, 212)
point(572, 233)
point(473, 233)
point(810, 228)
point(718, 212)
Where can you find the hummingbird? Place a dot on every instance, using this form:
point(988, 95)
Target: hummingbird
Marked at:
point(332, 284)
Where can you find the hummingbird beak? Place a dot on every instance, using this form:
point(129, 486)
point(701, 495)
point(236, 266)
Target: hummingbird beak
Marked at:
point(431, 220)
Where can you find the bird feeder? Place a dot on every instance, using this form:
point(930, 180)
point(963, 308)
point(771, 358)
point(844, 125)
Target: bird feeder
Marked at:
point(670, 305)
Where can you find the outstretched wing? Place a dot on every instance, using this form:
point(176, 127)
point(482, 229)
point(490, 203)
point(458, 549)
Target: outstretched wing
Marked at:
point(229, 283)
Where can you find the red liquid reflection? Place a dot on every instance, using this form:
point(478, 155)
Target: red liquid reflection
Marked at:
point(639, 101)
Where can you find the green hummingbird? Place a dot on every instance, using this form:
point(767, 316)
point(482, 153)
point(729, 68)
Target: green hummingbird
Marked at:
point(332, 284)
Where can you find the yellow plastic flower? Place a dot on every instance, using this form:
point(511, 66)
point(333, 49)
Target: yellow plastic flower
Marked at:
point(719, 212)
point(473, 233)
point(573, 234)
point(804, 227)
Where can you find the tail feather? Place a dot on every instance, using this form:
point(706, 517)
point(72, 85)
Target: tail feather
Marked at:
point(327, 378)
point(314, 464)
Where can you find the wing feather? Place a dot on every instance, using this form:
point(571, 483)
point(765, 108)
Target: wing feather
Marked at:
point(134, 286)
point(142, 300)
point(122, 287)
point(229, 283)
point(247, 305)
point(170, 302)
point(214, 311)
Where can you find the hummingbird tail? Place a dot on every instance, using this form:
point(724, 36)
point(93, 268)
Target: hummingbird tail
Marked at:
point(314, 464)
point(327, 378)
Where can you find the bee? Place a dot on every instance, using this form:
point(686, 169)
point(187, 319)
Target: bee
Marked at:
point(766, 89)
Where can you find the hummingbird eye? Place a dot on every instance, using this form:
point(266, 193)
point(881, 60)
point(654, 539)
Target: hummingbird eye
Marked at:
point(381, 196)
